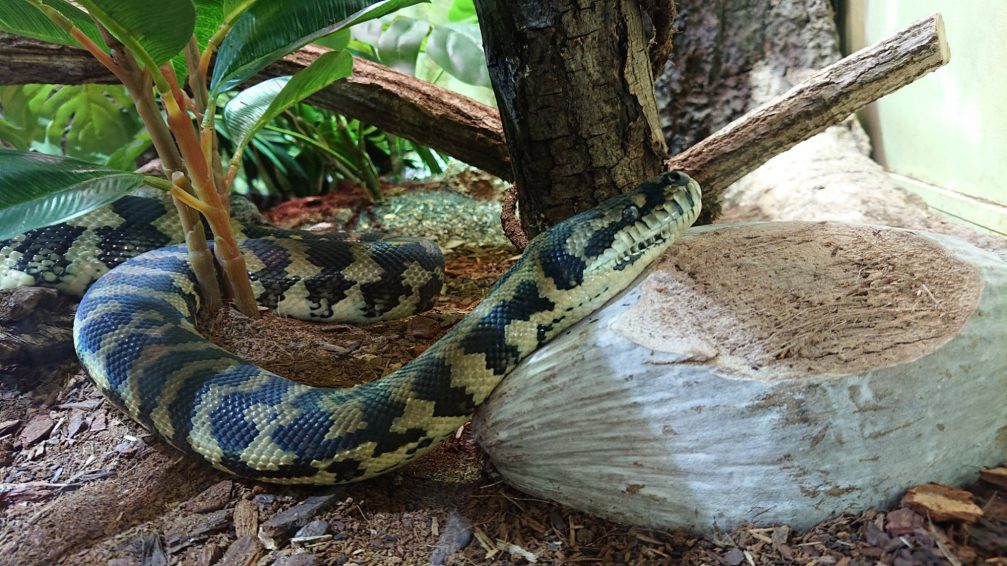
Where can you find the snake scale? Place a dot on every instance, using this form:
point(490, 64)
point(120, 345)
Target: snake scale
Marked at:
point(135, 331)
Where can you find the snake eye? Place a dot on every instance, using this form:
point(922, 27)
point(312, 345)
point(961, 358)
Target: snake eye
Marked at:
point(631, 213)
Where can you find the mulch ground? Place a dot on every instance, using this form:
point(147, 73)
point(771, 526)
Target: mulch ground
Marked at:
point(82, 484)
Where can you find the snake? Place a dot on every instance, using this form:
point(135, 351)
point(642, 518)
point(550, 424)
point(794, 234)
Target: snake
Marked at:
point(135, 328)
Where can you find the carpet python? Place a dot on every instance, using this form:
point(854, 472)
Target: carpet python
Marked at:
point(136, 336)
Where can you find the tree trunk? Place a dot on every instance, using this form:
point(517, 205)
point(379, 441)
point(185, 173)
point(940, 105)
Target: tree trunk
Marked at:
point(733, 55)
point(576, 94)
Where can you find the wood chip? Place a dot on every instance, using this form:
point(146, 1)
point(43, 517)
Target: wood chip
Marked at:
point(246, 518)
point(152, 551)
point(210, 523)
point(313, 529)
point(243, 552)
point(995, 476)
point(11, 493)
point(37, 429)
point(903, 522)
point(213, 498)
point(76, 423)
point(99, 422)
point(301, 559)
point(87, 405)
point(942, 503)
point(8, 426)
point(276, 531)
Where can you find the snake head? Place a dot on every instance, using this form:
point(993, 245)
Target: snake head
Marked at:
point(623, 235)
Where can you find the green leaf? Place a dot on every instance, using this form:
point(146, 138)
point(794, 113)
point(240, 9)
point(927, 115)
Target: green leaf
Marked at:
point(39, 190)
point(457, 48)
point(89, 122)
point(22, 18)
point(154, 32)
point(335, 41)
point(253, 108)
point(209, 15)
point(399, 45)
point(270, 30)
point(462, 11)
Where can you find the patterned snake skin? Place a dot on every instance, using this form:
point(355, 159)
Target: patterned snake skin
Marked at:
point(135, 334)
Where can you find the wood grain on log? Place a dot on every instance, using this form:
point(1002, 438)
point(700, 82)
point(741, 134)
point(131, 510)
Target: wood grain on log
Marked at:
point(768, 373)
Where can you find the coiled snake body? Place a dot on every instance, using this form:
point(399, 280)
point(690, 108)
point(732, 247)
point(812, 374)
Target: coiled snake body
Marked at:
point(135, 335)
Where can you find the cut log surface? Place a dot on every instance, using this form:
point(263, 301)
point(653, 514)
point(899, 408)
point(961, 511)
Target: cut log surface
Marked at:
point(769, 372)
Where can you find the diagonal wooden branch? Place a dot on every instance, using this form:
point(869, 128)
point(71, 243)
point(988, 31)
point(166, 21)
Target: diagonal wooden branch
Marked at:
point(825, 99)
point(472, 132)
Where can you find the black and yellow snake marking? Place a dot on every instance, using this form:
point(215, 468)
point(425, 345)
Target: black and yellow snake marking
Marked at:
point(135, 334)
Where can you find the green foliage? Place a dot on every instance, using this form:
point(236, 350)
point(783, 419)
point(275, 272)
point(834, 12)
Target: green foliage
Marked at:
point(38, 190)
point(307, 150)
point(94, 123)
point(439, 42)
point(457, 48)
point(153, 35)
point(248, 112)
point(399, 45)
point(269, 30)
point(21, 17)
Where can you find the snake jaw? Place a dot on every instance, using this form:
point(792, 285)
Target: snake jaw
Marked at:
point(667, 205)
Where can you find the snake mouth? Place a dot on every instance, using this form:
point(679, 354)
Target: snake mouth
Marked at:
point(641, 240)
point(644, 238)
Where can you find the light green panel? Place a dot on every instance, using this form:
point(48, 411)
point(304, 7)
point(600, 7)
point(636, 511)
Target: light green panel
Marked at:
point(945, 136)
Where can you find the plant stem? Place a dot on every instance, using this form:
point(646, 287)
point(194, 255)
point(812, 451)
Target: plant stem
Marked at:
point(200, 257)
point(197, 81)
point(367, 166)
point(226, 248)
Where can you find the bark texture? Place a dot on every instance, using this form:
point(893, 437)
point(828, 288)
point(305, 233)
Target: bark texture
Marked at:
point(574, 85)
point(732, 55)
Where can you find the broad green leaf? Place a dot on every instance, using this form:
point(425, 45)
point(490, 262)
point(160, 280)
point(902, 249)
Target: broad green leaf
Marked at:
point(253, 108)
point(399, 45)
point(270, 30)
point(462, 11)
point(335, 41)
point(458, 50)
point(38, 190)
point(22, 18)
point(155, 32)
point(89, 122)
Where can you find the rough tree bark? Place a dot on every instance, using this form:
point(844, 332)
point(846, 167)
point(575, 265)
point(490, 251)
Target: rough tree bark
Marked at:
point(732, 55)
point(574, 85)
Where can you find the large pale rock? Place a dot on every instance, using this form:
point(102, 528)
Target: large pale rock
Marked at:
point(776, 372)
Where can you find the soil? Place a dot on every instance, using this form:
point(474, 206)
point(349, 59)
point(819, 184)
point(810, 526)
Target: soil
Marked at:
point(82, 484)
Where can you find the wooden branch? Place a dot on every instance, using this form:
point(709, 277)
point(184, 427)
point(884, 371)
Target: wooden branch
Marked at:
point(395, 102)
point(823, 100)
point(412, 108)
